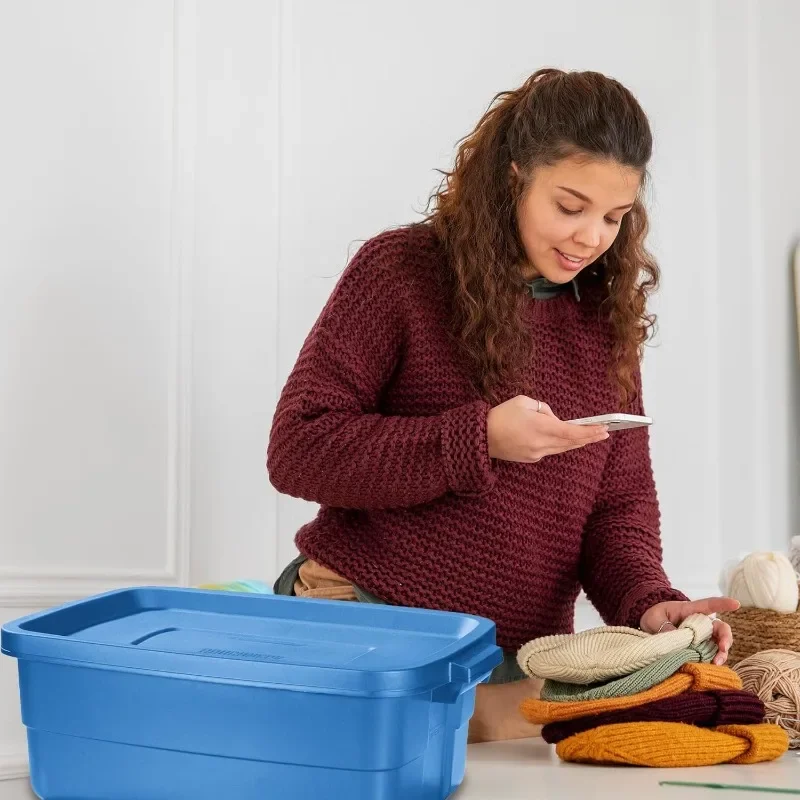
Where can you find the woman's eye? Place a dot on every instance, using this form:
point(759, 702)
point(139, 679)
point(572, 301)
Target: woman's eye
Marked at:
point(572, 212)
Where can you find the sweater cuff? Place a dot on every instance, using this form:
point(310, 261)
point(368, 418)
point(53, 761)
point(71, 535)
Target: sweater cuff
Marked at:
point(465, 449)
point(643, 597)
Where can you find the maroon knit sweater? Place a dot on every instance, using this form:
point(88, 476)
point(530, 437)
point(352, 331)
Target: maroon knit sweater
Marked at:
point(380, 424)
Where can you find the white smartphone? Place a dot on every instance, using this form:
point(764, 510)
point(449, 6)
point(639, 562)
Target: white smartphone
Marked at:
point(615, 422)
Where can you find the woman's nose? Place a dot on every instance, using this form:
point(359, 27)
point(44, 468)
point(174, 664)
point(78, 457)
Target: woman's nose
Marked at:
point(588, 236)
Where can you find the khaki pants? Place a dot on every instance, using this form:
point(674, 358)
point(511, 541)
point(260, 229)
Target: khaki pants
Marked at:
point(497, 715)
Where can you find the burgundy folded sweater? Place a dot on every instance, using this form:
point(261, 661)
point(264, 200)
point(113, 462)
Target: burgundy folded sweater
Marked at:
point(704, 709)
point(380, 424)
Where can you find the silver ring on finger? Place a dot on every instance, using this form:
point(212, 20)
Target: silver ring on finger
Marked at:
point(666, 622)
point(538, 406)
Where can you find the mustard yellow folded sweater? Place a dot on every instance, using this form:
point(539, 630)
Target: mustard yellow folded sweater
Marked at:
point(690, 677)
point(675, 744)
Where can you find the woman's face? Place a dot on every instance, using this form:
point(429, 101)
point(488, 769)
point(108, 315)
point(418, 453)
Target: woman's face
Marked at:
point(571, 214)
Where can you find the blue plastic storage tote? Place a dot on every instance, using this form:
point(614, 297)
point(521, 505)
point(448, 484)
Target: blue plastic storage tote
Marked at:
point(173, 694)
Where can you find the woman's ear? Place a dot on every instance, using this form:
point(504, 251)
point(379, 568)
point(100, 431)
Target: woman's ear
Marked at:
point(516, 180)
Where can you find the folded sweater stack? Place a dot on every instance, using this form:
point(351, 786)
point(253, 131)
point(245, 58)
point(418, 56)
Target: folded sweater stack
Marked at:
point(619, 695)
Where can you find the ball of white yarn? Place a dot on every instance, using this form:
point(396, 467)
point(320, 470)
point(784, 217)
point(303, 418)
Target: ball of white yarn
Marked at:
point(765, 580)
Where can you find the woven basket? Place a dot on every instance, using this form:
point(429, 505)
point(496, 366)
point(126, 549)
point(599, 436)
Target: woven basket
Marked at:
point(757, 629)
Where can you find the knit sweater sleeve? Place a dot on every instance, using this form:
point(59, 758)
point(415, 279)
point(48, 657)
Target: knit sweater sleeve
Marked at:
point(329, 442)
point(621, 561)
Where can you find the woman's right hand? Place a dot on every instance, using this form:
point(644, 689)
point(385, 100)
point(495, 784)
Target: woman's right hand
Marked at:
point(517, 431)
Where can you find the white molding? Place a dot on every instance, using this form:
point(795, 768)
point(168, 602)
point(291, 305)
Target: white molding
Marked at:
point(61, 581)
point(796, 275)
point(284, 116)
point(181, 261)
point(13, 766)
point(54, 588)
point(281, 45)
point(46, 594)
point(23, 575)
point(707, 48)
point(758, 418)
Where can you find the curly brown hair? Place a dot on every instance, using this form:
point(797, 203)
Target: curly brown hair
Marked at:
point(553, 115)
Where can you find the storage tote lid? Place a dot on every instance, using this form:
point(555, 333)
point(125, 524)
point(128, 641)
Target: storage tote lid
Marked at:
point(334, 646)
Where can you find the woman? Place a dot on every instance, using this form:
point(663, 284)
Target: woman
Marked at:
point(426, 410)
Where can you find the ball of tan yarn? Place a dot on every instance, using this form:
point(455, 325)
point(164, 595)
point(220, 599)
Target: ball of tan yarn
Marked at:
point(774, 675)
point(764, 580)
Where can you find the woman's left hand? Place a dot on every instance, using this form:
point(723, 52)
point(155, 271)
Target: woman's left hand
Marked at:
point(667, 616)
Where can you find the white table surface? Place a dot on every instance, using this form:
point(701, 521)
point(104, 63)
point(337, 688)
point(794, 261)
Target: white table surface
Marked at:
point(529, 769)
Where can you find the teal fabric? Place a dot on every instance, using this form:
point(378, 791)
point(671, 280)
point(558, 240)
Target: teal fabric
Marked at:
point(507, 672)
point(256, 587)
point(639, 681)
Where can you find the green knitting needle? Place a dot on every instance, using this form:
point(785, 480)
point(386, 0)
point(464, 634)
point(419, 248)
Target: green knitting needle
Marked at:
point(774, 789)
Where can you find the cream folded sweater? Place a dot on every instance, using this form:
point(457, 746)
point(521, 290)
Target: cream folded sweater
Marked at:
point(639, 681)
point(608, 651)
